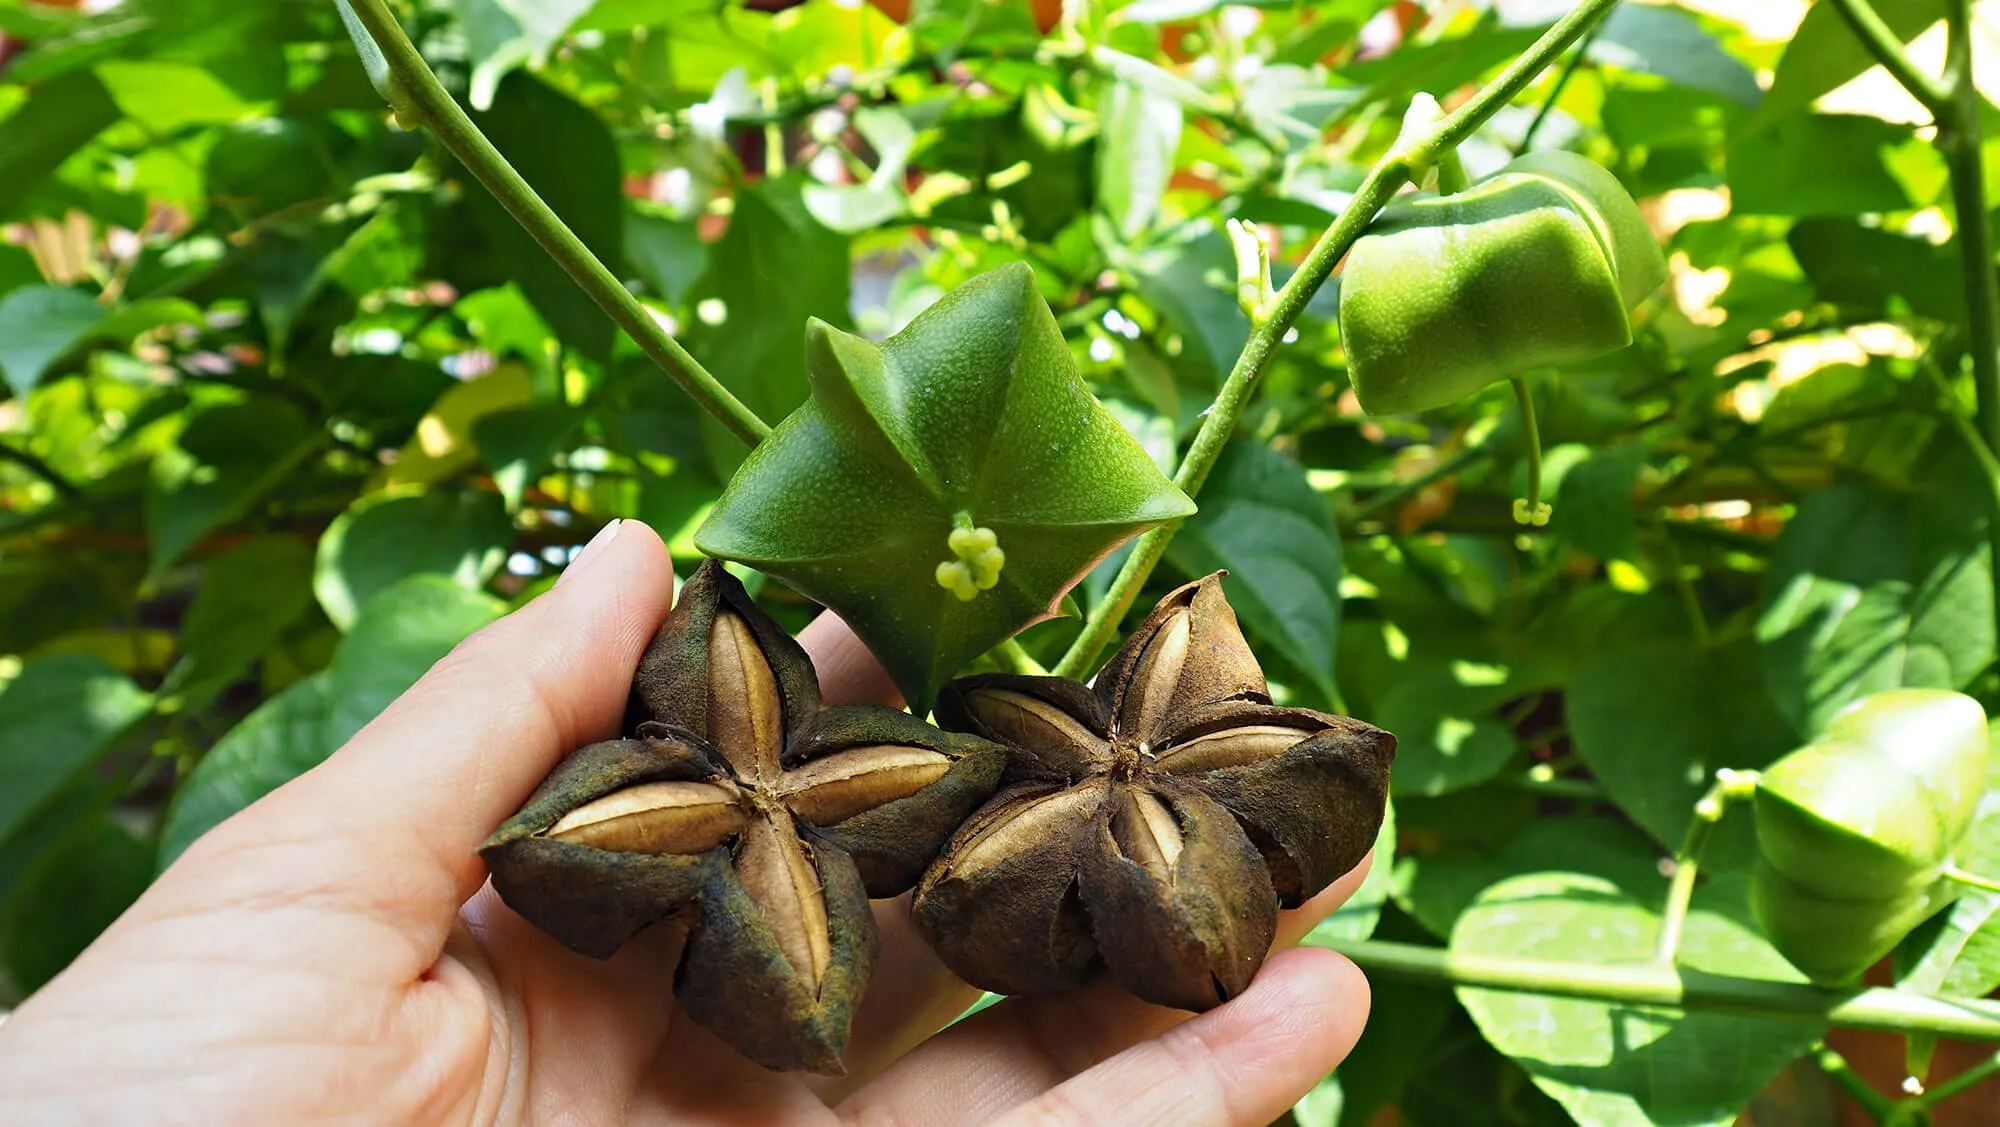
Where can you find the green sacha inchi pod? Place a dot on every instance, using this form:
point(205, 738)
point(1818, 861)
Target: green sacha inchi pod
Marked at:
point(944, 488)
point(741, 805)
point(1855, 830)
point(1538, 265)
point(1154, 821)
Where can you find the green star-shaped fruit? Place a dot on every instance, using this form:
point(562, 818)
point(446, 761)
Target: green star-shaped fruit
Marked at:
point(944, 488)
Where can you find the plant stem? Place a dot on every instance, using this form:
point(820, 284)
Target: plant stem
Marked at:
point(1017, 659)
point(1959, 137)
point(1730, 786)
point(1970, 880)
point(1894, 1011)
point(1859, 1090)
point(1887, 47)
point(1532, 510)
point(1383, 181)
point(1570, 66)
point(1970, 1078)
point(414, 90)
point(35, 464)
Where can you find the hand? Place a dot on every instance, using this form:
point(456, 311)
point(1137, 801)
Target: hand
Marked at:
point(330, 954)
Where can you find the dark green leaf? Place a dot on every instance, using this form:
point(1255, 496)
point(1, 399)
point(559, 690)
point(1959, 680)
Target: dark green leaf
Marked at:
point(227, 458)
point(37, 326)
point(1874, 591)
point(57, 718)
point(1665, 41)
point(518, 443)
point(283, 738)
point(1817, 164)
point(248, 596)
point(1594, 507)
point(667, 253)
point(73, 892)
point(61, 117)
point(1139, 130)
point(1193, 285)
point(387, 536)
point(565, 152)
point(1863, 269)
point(1266, 525)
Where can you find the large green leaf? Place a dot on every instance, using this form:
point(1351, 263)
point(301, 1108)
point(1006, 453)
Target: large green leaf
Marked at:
point(1817, 164)
point(226, 459)
point(1193, 285)
point(1865, 269)
point(60, 118)
point(1620, 1065)
point(1654, 720)
point(38, 324)
point(386, 536)
point(1824, 53)
point(166, 96)
point(248, 596)
point(1266, 525)
point(1662, 40)
point(1872, 591)
point(57, 718)
point(773, 269)
point(567, 155)
point(69, 896)
point(1443, 714)
point(1139, 131)
point(401, 633)
point(1957, 952)
point(1435, 890)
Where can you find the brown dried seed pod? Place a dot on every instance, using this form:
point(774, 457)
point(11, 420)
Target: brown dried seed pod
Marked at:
point(765, 818)
point(1155, 822)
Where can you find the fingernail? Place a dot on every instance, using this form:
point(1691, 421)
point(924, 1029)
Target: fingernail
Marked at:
point(590, 551)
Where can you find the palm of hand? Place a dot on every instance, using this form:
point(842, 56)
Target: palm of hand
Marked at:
point(317, 959)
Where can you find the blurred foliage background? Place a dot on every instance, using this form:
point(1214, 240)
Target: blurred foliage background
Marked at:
point(292, 406)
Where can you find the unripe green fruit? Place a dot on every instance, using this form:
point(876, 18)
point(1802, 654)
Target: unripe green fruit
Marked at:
point(1855, 829)
point(1537, 265)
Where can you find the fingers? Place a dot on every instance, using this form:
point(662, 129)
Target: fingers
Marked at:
point(848, 673)
point(1241, 1063)
point(1016, 1051)
point(391, 820)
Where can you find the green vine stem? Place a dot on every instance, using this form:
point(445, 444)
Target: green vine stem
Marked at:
point(1407, 160)
point(1957, 875)
point(402, 77)
point(1955, 106)
point(1730, 786)
point(1875, 1104)
point(1965, 1081)
point(1650, 984)
point(1530, 510)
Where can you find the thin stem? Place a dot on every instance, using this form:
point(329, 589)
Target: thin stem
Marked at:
point(415, 91)
point(1972, 1077)
point(1877, 1105)
point(1970, 880)
point(1972, 1019)
point(1017, 659)
point(1887, 47)
point(1959, 137)
point(1968, 431)
point(1531, 510)
point(1383, 181)
point(1570, 66)
point(1730, 786)
point(37, 465)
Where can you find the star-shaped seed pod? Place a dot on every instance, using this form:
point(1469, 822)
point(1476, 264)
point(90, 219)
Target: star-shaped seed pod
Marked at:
point(1154, 823)
point(944, 488)
point(768, 820)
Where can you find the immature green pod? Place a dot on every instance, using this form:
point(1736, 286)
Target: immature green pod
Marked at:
point(943, 488)
point(1856, 829)
point(1535, 266)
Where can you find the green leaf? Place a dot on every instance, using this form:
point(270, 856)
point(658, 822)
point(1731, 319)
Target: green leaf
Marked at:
point(1654, 720)
point(1266, 525)
point(773, 269)
point(69, 896)
point(667, 253)
point(1139, 131)
point(1864, 269)
point(1193, 285)
point(1435, 889)
point(248, 597)
point(1619, 1065)
point(1664, 41)
point(1594, 507)
point(384, 537)
point(1873, 591)
point(974, 417)
point(505, 34)
point(852, 208)
point(165, 97)
point(401, 633)
point(1826, 394)
point(285, 737)
point(1823, 54)
point(1817, 164)
point(519, 442)
point(62, 116)
point(1447, 736)
point(1404, 1021)
point(580, 178)
point(38, 325)
point(57, 718)
point(225, 460)
point(1957, 952)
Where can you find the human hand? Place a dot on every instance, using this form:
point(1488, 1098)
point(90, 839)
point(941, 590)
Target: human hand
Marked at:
point(330, 954)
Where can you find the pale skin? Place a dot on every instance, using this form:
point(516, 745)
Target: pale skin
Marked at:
point(332, 954)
